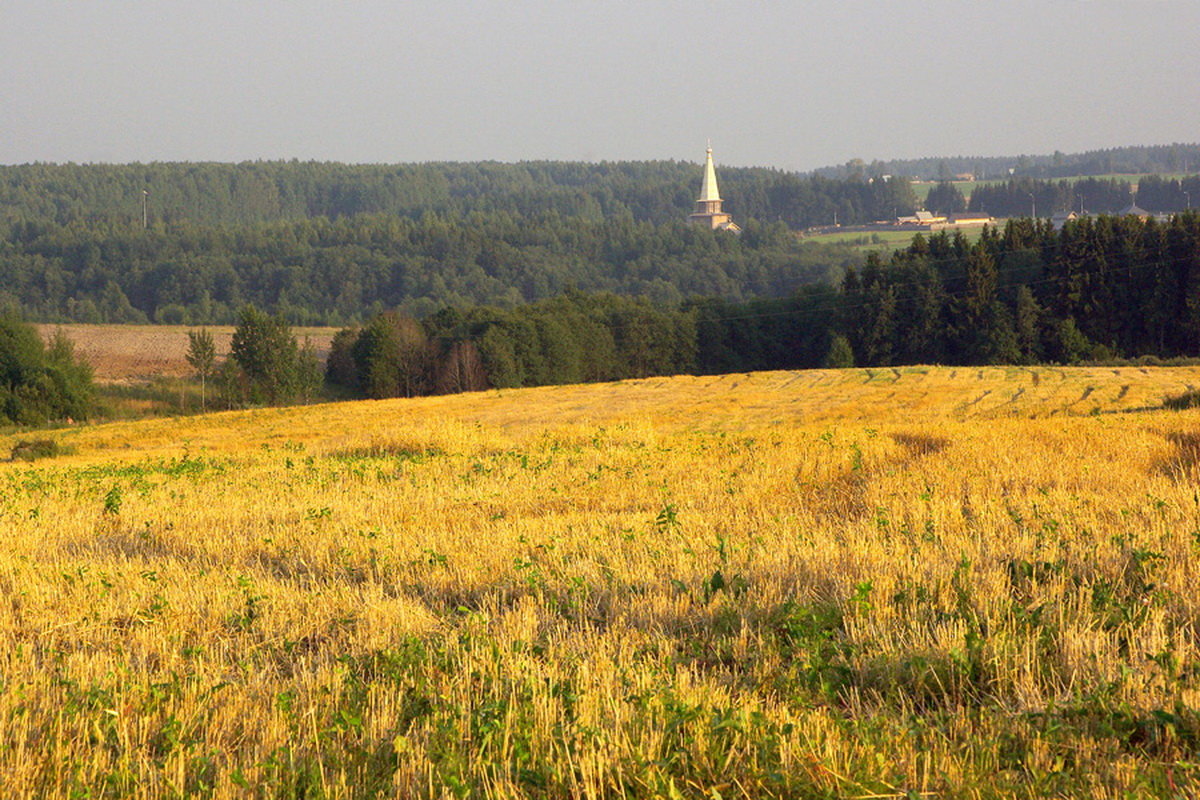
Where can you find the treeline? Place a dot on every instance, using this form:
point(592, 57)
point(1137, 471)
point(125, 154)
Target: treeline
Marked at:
point(344, 271)
point(1102, 288)
point(1024, 196)
point(113, 197)
point(576, 338)
point(1117, 160)
point(1156, 193)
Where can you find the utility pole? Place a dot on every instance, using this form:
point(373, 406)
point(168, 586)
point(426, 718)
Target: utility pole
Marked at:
point(1032, 206)
point(145, 218)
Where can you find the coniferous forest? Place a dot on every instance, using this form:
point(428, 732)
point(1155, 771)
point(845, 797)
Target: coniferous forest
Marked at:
point(1102, 288)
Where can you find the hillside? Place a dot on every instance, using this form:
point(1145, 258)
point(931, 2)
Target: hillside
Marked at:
point(925, 395)
point(329, 244)
point(923, 581)
point(121, 197)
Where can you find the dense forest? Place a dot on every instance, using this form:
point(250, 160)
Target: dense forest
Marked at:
point(1169, 158)
point(451, 277)
point(660, 192)
point(1102, 288)
point(342, 271)
point(335, 244)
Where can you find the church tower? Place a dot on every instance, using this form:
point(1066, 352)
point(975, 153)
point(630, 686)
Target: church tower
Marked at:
point(708, 206)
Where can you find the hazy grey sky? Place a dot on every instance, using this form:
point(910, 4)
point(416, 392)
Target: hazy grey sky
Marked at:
point(794, 84)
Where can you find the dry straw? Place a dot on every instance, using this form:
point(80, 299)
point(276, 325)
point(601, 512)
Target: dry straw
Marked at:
point(862, 583)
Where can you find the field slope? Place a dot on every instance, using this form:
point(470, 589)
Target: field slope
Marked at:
point(859, 583)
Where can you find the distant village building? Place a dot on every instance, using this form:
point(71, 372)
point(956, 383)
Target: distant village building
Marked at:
point(708, 206)
point(925, 218)
point(972, 218)
point(1060, 219)
point(1134, 210)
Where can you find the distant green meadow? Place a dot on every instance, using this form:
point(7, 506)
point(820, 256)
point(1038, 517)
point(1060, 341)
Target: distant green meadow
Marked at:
point(882, 239)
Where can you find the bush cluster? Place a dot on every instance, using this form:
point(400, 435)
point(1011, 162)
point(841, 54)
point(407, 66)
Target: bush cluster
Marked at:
point(39, 383)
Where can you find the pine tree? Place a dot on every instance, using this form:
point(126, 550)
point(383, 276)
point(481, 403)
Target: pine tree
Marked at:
point(1028, 327)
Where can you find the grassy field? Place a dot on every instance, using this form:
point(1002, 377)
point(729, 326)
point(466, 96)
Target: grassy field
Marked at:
point(884, 240)
point(919, 582)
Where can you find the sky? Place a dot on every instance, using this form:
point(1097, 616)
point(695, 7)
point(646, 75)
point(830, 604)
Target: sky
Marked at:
point(794, 85)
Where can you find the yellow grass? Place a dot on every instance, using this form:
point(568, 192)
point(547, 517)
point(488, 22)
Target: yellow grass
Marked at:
point(965, 582)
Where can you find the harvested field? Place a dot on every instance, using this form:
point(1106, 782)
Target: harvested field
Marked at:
point(923, 582)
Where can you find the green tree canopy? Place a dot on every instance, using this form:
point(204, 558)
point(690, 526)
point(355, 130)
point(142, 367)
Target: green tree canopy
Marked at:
point(201, 357)
point(40, 384)
point(266, 358)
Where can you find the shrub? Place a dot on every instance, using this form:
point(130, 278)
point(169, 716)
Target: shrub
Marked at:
point(33, 449)
point(40, 384)
point(840, 355)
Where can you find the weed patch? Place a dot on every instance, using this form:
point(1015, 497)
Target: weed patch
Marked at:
point(402, 451)
point(921, 444)
point(35, 449)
